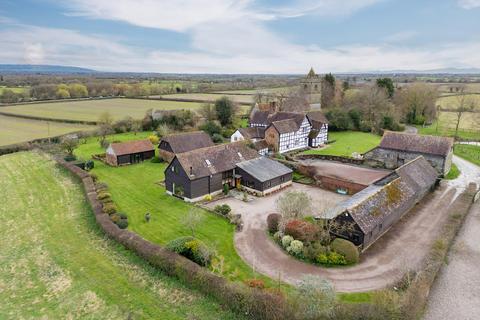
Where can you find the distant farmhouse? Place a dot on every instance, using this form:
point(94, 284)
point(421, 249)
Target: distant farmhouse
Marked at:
point(182, 142)
point(397, 148)
point(286, 131)
point(372, 211)
point(207, 171)
point(130, 152)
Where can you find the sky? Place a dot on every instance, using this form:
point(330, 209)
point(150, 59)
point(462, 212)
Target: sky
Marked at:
point(242, 36)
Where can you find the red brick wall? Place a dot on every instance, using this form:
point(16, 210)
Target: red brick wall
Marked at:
point(272, 138)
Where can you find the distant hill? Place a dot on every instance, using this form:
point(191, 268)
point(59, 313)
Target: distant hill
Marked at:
point(38, 68)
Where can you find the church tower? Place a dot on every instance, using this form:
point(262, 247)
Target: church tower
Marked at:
point(311, 86)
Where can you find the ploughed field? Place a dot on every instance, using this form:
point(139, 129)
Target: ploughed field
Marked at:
point(90, 110)
point(15, 130)
point(138, 189)
point(55, 263)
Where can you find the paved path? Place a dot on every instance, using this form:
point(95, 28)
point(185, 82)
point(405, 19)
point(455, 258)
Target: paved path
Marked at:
point(456, 292)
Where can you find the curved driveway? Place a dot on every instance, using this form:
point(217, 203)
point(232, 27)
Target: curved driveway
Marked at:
point(381, 265)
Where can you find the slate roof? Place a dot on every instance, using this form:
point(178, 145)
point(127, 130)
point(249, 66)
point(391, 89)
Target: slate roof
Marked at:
point(260, 144)
point(252, 132)
point(260, 117)
point(188, 141)
point(285, 126)
point(376, 203)
point(416, 143)
point(220, 158)
point(264, 169)
point(129, 147)
point(280, 116)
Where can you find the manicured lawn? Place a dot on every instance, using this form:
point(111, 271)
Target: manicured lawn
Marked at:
point(468, 152)
point(90, 110)
point(136, 189)
point(55, 263)
point(347, 142)
point(453, 173)
point(14, 130)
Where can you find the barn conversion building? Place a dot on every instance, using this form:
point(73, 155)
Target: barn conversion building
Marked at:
point(123, 153)
point(182, 142)
point(397, 148)
point(206, 171)
point(368, 214)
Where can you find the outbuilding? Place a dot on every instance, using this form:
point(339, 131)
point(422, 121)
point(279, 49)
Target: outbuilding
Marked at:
point(183, 142)
point(263, 175)
point(129, 152)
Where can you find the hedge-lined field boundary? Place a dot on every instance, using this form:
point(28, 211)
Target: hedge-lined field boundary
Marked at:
point(24, 116)
point(254, 303)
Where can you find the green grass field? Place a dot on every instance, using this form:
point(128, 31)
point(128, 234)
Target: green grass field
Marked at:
point(14, 130)
point(346, 143)
point(136, 189)
point(468, 152)
point(210, 96)
point(55, 263)
point(469, 126)
point(90, 110)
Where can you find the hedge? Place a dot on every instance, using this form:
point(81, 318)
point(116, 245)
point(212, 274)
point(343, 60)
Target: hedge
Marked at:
point(250, 302)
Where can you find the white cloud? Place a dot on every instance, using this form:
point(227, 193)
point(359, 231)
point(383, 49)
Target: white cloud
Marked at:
point(401, 36)
point(469, 4)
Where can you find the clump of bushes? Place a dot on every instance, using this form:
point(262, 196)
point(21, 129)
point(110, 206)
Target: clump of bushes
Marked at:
point(302, 230)
point(192, 249)
point(331, 258)
point(103, 195)
point(120, 219)
point(223, 209)
point(109, 208)
point(255, 283)
point(286, 240)
point(312, 250)
point(295, 248)
point(273, 221)
point(347, 249)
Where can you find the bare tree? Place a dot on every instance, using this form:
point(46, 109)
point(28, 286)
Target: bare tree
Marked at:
point(316, 297)
point(293, 205)
point(192, 219)
point(69, 143)
point(464, 104)
point(105, 120)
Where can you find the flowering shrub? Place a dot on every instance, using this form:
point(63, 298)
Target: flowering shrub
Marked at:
point(302, 230)
point(286, 240)
point(331, 259)
point(295, 248)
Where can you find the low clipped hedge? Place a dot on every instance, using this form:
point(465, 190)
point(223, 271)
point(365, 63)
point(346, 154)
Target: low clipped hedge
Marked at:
point(250, 302)
point(347, 249)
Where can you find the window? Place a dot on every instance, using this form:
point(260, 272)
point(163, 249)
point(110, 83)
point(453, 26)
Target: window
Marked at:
point(209, 164)
point(282, 179)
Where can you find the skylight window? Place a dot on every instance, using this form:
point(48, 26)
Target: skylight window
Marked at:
point(239, 154)
point(208, 162)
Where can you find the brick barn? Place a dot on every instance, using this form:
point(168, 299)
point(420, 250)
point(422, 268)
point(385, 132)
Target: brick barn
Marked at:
point(129, 152)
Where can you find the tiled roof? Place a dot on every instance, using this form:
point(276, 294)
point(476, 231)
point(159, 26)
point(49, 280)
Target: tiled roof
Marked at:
point(184, 142)
point(215, 159)
point(252, 132)
point(279, 116)
point(129, 147)
point(260, 145)
point(416, 143)
point(264, 169)
point(285, 126)
point(374, 204)
point(260, 117)
point(317, 119)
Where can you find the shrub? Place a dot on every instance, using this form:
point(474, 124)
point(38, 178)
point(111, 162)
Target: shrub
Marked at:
point(217, 138)
point(278, 236)
point(69, 158)
point(122, 215)
point(115, 218)
point(302, 230)
point(94, 177)
point(312, 250)
point(109, 208)
point(332, 259)
point(295, 248)
point(273, 221)
point(286, 240)
point(191, 248)
point(153, 139)
point(207, 198)
point(255, 283)
point(226, 189)
point(122, 224)
point(103, 195)
point(223, 209)
point(156, 159)
point(347, 249)
point(89, 165)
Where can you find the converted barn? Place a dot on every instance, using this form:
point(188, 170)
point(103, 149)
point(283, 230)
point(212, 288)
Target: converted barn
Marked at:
point(182, 142)
point(263, 176)
point(397, 148)
point(368, 214)
point(129, 152)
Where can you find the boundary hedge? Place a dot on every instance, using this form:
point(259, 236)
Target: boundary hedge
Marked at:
point(254, 303)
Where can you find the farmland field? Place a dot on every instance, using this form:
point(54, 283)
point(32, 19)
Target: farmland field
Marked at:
point(14, 89)
point(253, 91)
point(166, 211)
point(451, 102)
point(90, 110)
point(346, 143)
point(247, 99)
point(55, 263)
point(14, 130)
point(469, 126)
